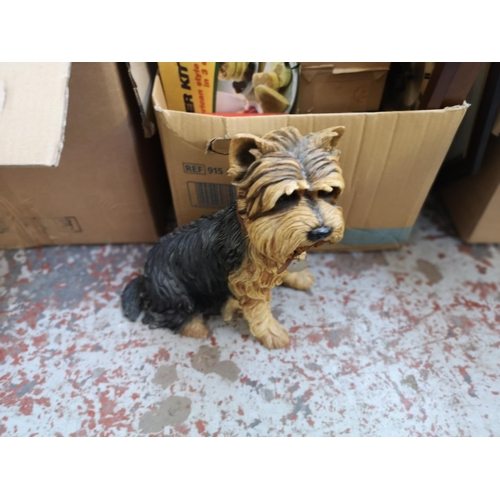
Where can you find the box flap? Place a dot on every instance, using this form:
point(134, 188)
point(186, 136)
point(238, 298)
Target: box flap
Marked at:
point(142, 76)
point(33, 108)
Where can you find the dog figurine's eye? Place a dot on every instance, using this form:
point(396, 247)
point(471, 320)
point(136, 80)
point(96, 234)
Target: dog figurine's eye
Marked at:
point(287, 199)
point(325, 195)
point(329, 195)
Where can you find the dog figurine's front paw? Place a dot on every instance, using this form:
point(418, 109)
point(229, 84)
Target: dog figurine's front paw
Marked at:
point(274, 336)
point(229, 308)
point(196, 329)
point(304, 280)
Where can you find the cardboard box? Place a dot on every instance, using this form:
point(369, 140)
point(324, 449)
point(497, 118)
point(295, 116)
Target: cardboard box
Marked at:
point(473, 202)
point(230, 87)
point(109, 185)
point(389, 162)
point(341, 87)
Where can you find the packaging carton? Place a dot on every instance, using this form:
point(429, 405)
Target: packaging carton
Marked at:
point(94, 178)
point(473, 202)
point(341, 87)
point(230, 88)
point(389, 162)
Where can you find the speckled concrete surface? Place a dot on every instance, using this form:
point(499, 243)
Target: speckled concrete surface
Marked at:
point(399, 343)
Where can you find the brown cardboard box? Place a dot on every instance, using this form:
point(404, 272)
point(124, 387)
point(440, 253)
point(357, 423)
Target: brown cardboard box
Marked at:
point(389, 162)
point(341, 87)
point(110, 183)
point(474, 202)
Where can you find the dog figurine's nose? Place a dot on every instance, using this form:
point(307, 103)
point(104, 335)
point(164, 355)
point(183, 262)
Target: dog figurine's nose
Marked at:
point(320, 233)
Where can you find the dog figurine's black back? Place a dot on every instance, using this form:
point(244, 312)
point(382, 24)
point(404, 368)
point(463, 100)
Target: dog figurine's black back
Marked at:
point(187, 271)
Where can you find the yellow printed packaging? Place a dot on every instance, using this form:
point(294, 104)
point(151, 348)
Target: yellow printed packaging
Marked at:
point(230, 88)
point(189, 86)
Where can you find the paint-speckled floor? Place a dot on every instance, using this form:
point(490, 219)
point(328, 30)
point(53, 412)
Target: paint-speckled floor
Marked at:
point(399, 343)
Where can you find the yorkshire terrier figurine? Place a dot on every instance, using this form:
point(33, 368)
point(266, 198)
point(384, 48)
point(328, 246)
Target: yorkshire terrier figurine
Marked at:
point(287, 190)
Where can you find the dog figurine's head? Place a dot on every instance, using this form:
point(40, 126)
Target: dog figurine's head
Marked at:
point(287, 189)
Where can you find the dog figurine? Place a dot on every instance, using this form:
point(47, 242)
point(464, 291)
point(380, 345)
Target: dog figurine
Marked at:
point(287, 190)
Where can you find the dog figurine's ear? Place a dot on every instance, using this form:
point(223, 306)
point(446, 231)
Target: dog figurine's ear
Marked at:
point(328, 138)
point(244, 149)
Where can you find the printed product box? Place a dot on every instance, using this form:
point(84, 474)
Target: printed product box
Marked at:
point(230, 87)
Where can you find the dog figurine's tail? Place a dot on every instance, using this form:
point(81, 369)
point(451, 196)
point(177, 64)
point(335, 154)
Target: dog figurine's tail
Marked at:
point(133, 298)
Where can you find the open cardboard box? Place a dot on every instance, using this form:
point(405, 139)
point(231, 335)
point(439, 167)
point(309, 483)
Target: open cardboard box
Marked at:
point(75, 166)
point(389, 162)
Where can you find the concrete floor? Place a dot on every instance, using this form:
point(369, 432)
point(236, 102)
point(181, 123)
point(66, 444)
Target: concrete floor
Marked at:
point(396, 343)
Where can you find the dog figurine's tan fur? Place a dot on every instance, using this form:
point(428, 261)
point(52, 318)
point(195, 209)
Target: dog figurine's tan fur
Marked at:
point(287, 190)
point(304, 173)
